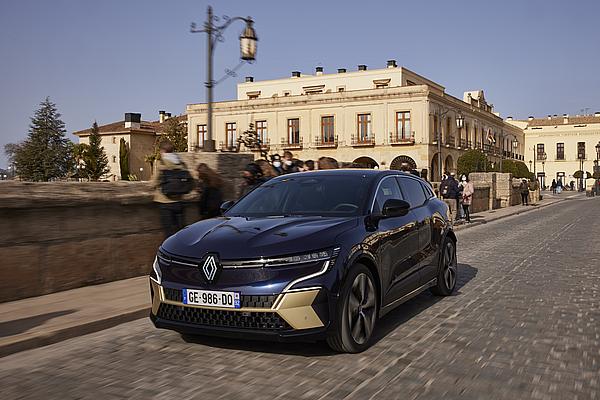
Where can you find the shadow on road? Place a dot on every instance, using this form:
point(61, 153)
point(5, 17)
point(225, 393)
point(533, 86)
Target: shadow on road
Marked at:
point(387, 324)
point(10, 328)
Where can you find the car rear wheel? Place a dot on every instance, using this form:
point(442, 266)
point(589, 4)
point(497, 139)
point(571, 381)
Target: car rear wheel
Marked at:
point(356, 312)
point(448, 272)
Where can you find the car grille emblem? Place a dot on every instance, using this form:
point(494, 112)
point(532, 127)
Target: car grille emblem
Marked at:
point(210, 268)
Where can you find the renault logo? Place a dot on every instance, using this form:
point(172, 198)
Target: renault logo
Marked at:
point(210, 267)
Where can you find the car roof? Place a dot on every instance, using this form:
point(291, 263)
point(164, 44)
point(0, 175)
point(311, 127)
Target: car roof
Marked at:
point(371, 174)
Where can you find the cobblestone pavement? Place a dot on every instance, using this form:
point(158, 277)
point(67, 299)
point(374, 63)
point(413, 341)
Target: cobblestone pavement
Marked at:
point(524, 324)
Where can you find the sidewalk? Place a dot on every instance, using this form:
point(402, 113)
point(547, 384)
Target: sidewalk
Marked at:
point(43, 320)
point(39, 321)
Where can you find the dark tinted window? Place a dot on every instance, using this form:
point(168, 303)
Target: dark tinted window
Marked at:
point(413, 191)
point(388, 189)
point(326, 195)
point(428, 190)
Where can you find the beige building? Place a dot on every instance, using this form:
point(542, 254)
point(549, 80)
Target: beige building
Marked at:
point(380, 118)
point(558, 146)
point(140, 137)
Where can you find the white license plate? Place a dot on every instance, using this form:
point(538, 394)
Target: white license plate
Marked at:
point(211, 298)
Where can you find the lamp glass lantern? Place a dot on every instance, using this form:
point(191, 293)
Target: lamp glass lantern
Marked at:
point(460, 121)
point(248, 41)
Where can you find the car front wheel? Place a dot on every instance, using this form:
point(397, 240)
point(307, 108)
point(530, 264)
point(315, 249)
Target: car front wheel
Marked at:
point(448, 271)
point(356, 312)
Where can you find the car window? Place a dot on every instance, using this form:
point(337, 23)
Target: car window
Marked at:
point(413, 191)
point(428, 191)
point(388, 189)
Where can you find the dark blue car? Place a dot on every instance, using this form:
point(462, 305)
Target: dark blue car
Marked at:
point(307, 256)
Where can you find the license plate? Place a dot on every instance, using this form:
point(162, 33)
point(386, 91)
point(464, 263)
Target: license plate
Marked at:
point(211, 298)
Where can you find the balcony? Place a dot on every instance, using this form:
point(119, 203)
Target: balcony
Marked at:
point(228, 147)
point(450, 141)
point(320, 144)
point(265, 146)
point(464, 144)
point(396, 140)
point(286, 145)
point(356, 141)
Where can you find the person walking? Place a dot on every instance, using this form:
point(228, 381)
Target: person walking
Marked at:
point(267, 169)
point(287, 165)
point(253, 178)
point(309, 165)
point(327, 163)
point(524, 189)
point(467, 197)
point(211, 195)
point(171, 182)
point(450, 192)
point(553, 186)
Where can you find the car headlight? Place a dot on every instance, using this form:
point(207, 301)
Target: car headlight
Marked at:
point(156, 275)
point(314, 256)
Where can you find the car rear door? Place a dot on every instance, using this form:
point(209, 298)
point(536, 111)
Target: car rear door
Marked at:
point(397, 242)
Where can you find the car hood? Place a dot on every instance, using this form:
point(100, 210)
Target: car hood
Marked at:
point(247, 238)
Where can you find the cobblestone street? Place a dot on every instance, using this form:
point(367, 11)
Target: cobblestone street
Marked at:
point(524, 324)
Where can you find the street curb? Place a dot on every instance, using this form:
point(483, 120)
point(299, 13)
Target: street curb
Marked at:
point(58, 335)
point(495, 218)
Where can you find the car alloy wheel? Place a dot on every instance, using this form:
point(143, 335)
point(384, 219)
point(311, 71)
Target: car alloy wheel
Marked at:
point(357, 312)
point(448, 273)
point(361, 308)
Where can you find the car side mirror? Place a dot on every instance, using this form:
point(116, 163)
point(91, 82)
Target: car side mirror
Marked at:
point(395, 208)
point(226, 206)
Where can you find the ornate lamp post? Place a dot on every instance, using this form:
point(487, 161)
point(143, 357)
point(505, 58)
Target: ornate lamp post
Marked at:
point(515, 144)
point(214, 34)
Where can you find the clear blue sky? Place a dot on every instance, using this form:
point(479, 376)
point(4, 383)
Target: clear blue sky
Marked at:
point(99, 59)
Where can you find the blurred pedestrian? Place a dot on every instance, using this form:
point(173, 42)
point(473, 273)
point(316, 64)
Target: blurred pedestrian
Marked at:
point(276, 163)
point(553, 186)
point(309, 165)
point(328, 163)
point(299, 165)
point(449, 191)
point(467, 197)
point(287, 163)
point(211, 195)
point(171, 182)
point(524, 189)
point(267, 169)
point(253, 178)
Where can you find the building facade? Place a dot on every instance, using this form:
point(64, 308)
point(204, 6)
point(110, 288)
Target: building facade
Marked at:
point(378, 118)
point(139, 135)
point(557, 147)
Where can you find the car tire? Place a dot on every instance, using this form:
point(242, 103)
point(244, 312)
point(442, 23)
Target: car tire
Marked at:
point(356, 312)
point(448, 269)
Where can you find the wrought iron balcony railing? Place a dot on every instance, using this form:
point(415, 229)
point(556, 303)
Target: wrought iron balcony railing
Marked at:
point(287, 145)
point(357, 141)
point(396, 139)
point(324, 144)
point(229, 147)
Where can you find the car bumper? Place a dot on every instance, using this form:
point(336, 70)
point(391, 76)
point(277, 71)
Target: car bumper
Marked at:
point(295, 315)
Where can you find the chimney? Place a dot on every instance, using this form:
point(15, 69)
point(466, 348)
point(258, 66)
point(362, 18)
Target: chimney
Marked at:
point(295, 74)
point(549, 117)
point(597, 114)
point(391, 64)
point(133, 120)
point(555, 115)
point(362, 67)
point(161, 116)
point(319, 71)
point(530, 118)
point(341, 70)
point(509, 118)
point(249, 79)
point(167, 116)
point(565, 118)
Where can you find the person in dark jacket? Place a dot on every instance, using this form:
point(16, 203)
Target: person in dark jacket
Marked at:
point(253, 178)
point(524, 189)
point(211, 196)
point(450, 193)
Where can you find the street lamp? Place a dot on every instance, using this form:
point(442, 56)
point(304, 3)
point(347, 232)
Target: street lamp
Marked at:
point(214, 34)
point(515, 144)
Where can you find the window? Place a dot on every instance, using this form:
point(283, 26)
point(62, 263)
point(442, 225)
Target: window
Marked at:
point(560, 151)
point(403, 125)
point(540, 150)
point(448, 125)
point(294, 130)
point(428, 190)
point(261, 131)
point(413, 191)
point(114, 158)
point(114, 139)
point(230, 134)
point(388, 189)
point(581, 150)
point(286, 93)
point(201, 134)
point(435, 127)
point(364, 127)
point(327, 129)
point(341, 88)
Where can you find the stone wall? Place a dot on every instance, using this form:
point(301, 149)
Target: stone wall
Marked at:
point(62, 235)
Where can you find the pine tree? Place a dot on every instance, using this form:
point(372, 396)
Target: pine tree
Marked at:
point(46, 153)
point(96, 161)
point(124, 159)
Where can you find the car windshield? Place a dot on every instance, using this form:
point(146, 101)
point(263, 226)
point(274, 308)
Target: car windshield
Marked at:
point(325, 195)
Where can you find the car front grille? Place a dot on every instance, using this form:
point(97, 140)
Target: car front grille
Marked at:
point(248, 301)
point(221, 318)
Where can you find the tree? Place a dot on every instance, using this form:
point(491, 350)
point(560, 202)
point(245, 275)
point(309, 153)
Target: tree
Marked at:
point(176, 133)
point(96, 161)
point(472, 161)
point(46, 153)
point(124, 159)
